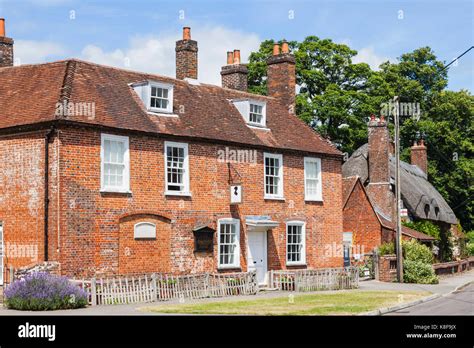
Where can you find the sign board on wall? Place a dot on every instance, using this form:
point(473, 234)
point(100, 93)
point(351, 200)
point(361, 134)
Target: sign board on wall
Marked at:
point(235, 194)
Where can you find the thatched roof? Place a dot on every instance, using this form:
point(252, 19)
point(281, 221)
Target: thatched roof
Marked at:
point(421, 199)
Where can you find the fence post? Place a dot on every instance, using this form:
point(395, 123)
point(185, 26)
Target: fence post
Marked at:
point(153, 285)
point(12, 274)
point(93, 292)
point(207, 285)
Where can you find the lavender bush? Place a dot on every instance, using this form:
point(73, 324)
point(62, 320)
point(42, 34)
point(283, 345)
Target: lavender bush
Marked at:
point(42, 291)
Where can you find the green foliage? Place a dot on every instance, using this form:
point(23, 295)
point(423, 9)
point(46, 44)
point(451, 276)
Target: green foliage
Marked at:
point(425, 226)
point(470, 248)
point(418, 272)
point(337, 97)
point(414, 251)
point(387, 249)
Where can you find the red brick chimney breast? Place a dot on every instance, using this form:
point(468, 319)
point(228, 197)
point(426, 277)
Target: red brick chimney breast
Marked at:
point(6, 46)
point(419, 156)
point(379, 188)
point(234, 74)
point(186, 56)
point(281, 76)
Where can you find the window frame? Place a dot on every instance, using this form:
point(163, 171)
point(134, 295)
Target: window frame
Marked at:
point(169, 87)
point(186, 190)
point(280, 195)
point(301, 224)
point(264, 113)
point(319, 195)
point(125, 188)
point(231, 221)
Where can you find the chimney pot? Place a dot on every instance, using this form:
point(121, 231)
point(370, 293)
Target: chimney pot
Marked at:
point(2, 27)
point(230, 57)
point(284, 47)
point(372, 117)
point(236, 56)
point(186, 33)
point(276, 49)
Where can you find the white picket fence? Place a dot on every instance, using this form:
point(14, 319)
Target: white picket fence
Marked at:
point(315, 279)
point(161, 287)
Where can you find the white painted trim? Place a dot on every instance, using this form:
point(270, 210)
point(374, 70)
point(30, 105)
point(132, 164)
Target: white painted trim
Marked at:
point(303, 238)
point(319, 196)
point(186, 191)
point(280, 195)
point(126, 175)
point(236, 263)
point(264, 114)
point(170, 89)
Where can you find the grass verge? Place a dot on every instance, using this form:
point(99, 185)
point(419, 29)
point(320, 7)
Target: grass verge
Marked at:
point(335, 303)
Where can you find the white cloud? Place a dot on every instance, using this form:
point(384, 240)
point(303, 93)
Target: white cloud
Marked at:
point(31, 52)
point(368, 55)
point(156, 54)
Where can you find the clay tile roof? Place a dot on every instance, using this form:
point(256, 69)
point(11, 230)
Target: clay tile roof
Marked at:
point(347, 187)
point(28, 95)
point(406, 230)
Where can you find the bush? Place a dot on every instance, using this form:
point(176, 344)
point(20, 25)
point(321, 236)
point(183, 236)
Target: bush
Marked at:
point(418, 272)
point(387, 249)
point(470, 249)
point(414, 251)
point(425, 226)
point(43, 291)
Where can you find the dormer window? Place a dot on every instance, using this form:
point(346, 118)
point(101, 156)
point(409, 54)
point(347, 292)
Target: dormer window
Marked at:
point(253, 111)
point(156, 96)
point(256, 113)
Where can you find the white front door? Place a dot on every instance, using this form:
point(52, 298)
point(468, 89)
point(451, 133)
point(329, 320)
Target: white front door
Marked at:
point(257, 255)
point(1, 254)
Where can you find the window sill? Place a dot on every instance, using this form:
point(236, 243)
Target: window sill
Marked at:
point(227, 267)
point(313, 200)
point(274, 198)
point(177, 193)
point(296, 264)
point(162, 113)
point(257, 126)
point(125, 192)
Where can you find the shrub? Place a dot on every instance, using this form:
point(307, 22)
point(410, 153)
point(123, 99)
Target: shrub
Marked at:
point(43, 291)
point(425, 226)
point(387, 249)
point(418, 272)
point(470, 249)
point(414, 251)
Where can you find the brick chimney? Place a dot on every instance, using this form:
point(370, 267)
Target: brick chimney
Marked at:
point(186, 56)
point(379, 188)
point(6, 47)
point(281, 76)
point(234, 74)
point(419, 155)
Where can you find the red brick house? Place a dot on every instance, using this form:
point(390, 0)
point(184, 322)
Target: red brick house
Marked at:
point(110, 171)
point(364, 228)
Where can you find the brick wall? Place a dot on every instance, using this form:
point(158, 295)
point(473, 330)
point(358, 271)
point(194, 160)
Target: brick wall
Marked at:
point(235, 77)
point(6, 51)
point(281, 80)
point(22, 198)
point(387, 268)
point(91, 233)
point(361, 220)
point(379, 189)
point(186, 59)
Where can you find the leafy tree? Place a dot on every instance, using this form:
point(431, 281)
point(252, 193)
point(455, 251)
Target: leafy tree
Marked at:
point(334, 92)
point(336, 98)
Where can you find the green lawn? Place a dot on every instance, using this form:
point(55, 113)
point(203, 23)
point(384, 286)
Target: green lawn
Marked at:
point(337, 303)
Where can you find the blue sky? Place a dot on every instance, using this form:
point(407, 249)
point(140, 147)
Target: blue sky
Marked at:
point(140, 35)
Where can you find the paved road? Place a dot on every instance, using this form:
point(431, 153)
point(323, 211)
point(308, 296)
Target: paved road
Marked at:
point(457, 303)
